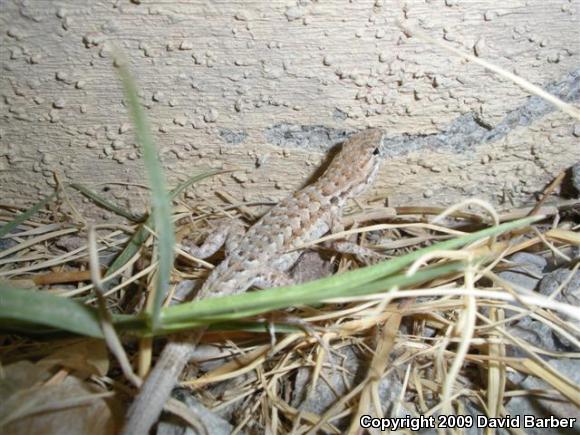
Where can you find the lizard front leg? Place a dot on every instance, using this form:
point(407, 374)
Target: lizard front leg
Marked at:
point(272, 279)
point(346, 246)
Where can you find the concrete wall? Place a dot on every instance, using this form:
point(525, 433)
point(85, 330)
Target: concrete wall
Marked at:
point(268, 86)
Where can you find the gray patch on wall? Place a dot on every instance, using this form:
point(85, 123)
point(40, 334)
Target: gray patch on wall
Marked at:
point(313, 137)
point(233, 137)
point(463, 134)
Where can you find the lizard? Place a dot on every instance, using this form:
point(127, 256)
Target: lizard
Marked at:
point(261, 257)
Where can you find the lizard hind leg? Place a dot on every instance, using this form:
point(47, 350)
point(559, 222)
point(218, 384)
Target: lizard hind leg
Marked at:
point(227, 233)
point(236, 231)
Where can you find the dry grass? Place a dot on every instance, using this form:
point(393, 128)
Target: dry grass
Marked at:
point(447, 342)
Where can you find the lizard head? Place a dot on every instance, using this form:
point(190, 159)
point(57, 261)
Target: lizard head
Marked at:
point(354, 168)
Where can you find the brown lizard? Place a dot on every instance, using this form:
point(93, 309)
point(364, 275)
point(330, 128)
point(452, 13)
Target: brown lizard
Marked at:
point(263, 255)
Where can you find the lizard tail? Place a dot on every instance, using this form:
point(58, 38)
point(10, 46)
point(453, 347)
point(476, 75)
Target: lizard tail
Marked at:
point(147, 406)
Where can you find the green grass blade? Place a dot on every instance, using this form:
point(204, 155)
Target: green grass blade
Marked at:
point(161, 204)
point(34, 311)
point(316, 291)
point(38, 308)
point(141, 234)
point(194, 179)
point(7, 228)
point(134, 244)
point(229, 308)
point(18, 306)
point(106, 204)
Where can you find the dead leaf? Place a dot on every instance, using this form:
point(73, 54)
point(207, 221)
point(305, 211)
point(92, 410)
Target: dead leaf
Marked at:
point(87, 357)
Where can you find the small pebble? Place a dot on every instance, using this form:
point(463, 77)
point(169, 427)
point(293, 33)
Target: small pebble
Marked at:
point(62, 76)
point(35, 58)
point(124, 127)
point(242, 16)
point(527, 270)
point(180, 120)
point(571, 183)
point(294, 13)
point(118, 144)
point(186, 45)
point(211, 115)
point(59, 103)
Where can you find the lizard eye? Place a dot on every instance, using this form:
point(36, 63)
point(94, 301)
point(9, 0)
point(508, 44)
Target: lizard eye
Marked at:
point(376, 152)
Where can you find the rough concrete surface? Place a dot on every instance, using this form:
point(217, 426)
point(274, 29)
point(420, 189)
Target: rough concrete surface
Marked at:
point(269, 86)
